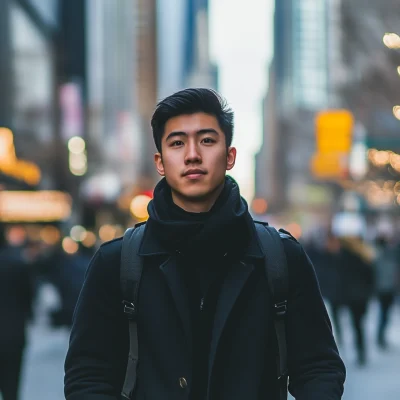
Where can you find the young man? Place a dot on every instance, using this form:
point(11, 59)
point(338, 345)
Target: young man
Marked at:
point(205, 317)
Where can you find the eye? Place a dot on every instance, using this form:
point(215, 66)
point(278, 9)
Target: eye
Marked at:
point(208, 140)
point(177, 143)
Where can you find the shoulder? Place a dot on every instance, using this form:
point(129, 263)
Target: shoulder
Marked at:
point(106, 261)
point(298, 263)
point(290, 243)
point(111, 249)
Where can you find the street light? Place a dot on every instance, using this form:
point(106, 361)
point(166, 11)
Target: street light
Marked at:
point(391, 40)
point(77, 156)
point(76, 145)
point(396, 112)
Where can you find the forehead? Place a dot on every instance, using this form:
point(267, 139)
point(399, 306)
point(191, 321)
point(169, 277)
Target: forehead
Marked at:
point(191, 123)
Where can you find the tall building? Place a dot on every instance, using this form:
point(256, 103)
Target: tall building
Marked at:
point(269, 172)
point(298, 87)
point(174, 39)
point(310, 53)
point(183, 46)
point(115, 43)
point(38, 55)
point(301, 53)
point(201, 71)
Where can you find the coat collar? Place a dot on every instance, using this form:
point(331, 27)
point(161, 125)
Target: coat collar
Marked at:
point(151, 246)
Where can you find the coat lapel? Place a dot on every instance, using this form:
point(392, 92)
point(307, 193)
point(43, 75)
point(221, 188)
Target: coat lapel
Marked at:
point(178, 291)
point(233, 284)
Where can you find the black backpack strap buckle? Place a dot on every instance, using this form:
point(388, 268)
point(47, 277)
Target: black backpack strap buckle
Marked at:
point(129, 310)
point(280, 309)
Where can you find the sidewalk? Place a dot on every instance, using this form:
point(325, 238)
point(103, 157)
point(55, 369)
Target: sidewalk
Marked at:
point(43, 372)
point(379, 379)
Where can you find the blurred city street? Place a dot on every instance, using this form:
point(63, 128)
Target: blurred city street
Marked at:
point(379, 378)
point(307, 128)
point(43, 372)
point(44, 364)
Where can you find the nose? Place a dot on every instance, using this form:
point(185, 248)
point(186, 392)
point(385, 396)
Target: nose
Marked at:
point(192, 153)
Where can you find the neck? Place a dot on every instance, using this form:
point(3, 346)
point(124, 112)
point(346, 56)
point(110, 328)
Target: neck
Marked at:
point(197, 205)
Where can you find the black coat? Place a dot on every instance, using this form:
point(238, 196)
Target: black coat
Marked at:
point(243, 345)
point(16, 298)
point(358, 282)
point(331, 276)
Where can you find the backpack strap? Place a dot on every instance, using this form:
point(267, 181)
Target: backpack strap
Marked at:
point(130, 274)
point(278, 281)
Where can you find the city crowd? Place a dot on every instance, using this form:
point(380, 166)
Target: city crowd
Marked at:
point(26, 265)
point(351, 272)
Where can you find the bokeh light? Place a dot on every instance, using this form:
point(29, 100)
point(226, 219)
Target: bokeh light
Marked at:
point(139, 205)
point(69, 245)
point(107, 232)
point(76, 145)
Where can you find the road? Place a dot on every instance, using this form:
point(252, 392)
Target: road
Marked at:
point(43, 372)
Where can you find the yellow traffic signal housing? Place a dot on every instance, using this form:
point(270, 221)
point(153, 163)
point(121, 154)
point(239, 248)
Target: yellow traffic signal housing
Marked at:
point(334, 132)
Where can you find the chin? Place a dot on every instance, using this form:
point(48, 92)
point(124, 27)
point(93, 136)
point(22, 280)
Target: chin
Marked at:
point(195, 193)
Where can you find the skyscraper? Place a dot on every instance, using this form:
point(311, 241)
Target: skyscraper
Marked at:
point(301, 53)
point(298, 87)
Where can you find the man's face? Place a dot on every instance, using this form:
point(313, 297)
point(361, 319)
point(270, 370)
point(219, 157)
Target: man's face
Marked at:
point(194, 156)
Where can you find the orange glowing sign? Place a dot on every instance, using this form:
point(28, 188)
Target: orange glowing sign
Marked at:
point(10, 165)
point(40, 206)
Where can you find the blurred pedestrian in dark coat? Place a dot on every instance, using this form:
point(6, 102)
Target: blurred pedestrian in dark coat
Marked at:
point(67, 275)
point(16, 296)
point(358, 284)
point(387, 276)
point(331, 277)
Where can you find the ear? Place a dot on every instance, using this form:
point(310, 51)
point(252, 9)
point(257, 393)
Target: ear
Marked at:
point(159, 164)
point(230, 158)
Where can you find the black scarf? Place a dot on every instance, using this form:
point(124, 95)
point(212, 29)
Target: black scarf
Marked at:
point(225, 229)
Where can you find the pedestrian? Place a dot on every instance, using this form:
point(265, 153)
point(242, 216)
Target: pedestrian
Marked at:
point(331, 277)
point(16, 296)
point(358, 284)
point(387, 276)
point(67, 274)
point(205, 318)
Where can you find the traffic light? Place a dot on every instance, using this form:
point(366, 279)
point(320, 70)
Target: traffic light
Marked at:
point(333, 131)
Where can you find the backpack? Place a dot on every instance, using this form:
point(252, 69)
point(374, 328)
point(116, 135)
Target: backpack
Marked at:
point(277, 276)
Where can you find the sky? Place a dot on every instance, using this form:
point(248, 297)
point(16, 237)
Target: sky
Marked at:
point(241, 34)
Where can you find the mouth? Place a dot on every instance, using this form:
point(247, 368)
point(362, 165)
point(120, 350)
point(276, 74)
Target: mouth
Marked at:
point(194, 174)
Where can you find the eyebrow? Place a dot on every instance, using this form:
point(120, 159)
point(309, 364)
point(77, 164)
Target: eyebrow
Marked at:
point(199, 132)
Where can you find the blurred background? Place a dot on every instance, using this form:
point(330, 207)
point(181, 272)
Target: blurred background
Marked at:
point(315, 86)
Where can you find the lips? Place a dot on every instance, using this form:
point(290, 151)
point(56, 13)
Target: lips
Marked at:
point(194, 173)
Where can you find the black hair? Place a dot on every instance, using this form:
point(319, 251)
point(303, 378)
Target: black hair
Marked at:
point(190, 101)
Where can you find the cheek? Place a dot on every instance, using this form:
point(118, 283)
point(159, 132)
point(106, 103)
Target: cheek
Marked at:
point(171, 166)
point(220, 161)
